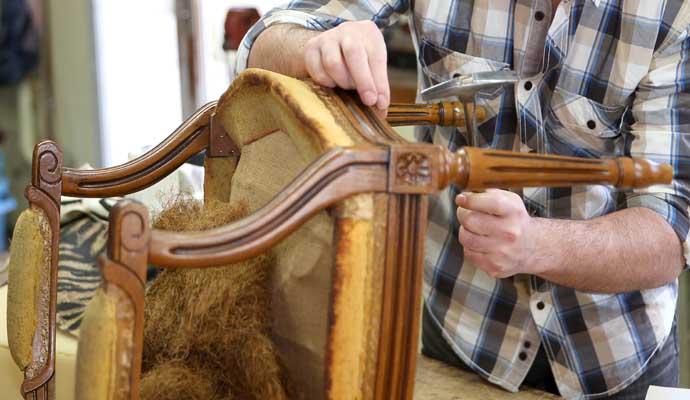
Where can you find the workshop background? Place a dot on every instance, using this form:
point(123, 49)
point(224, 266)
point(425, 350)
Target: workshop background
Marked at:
point(107, 79)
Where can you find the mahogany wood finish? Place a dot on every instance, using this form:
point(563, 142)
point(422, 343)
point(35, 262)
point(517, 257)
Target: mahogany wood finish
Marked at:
point(405, 173)
point(44, 193)
point(50, 181)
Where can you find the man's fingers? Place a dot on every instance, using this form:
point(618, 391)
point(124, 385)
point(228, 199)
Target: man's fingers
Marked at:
point(379, 71)
point(334, 65)
point(312, 61)
point(481, 223)
point(357, 62)
point(473, 241)
point(499, 202)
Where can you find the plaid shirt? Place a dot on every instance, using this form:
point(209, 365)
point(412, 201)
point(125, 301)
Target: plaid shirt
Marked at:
point(600, 78)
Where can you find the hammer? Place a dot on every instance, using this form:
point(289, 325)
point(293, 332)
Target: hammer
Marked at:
point(465, 87)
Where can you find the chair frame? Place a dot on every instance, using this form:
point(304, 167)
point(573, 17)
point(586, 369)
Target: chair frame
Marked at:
point(50, 180)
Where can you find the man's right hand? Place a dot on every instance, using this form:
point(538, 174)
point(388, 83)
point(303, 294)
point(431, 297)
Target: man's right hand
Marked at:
point(351, 56)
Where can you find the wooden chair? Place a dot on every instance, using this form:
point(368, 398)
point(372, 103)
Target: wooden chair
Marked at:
point(32, 295)
point(290, 150)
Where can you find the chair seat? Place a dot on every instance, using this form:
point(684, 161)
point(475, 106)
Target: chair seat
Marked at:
point(11, 377)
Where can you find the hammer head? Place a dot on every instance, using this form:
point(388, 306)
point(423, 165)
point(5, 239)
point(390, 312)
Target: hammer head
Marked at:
point(466, 86)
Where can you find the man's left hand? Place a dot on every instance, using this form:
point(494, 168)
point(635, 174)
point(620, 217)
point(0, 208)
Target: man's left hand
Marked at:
point(496, 232)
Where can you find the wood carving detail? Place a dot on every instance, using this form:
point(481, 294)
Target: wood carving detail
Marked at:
point(47, 169)
point(413, 169)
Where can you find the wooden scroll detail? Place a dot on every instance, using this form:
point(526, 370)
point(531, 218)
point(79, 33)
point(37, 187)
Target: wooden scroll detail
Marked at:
point(124, 273)
point(44, 194)
point(188, 140)
point(442, 114)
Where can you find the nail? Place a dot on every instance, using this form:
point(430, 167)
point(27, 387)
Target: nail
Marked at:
point(369, 98)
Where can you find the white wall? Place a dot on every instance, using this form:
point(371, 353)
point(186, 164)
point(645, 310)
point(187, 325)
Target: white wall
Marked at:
point(216, 64)
point(138, 74)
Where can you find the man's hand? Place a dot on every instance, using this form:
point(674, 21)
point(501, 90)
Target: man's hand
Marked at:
point(497, 233)
point(351, 56)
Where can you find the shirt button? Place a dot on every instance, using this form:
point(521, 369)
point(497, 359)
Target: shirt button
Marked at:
point(527, 344)
point(539, 15)
point(540, 305)
point(591, 124)
point(528, 85)
point(522, 356)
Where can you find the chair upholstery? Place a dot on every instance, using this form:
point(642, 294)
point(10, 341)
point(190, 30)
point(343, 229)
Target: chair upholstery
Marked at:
point(97, 350)
point(11, 377)
point(28, 265)
point(281, 125)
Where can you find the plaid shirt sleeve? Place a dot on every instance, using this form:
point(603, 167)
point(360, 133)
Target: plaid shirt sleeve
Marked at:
point(322, 15)
point(659, 129)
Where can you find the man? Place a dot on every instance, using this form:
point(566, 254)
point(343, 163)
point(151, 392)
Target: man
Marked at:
point(574, 289)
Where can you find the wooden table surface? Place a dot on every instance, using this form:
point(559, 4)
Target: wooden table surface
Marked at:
point(438, 381)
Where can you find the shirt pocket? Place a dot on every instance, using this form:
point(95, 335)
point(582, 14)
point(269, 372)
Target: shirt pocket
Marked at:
point(586, 117)
point(440, 63)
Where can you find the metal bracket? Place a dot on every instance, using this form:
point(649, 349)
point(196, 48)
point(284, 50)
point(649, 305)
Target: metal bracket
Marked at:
point(220, 144)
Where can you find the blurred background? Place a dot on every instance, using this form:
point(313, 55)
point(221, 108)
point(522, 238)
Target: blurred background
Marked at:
point(107, 79)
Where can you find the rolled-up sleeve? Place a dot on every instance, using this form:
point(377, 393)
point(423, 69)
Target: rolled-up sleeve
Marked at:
point(659, 130)
point(321, 15)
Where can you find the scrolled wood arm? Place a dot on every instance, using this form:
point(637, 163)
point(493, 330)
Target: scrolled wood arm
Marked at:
point(186, 141)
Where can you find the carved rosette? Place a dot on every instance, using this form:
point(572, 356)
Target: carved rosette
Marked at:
point(413, 169)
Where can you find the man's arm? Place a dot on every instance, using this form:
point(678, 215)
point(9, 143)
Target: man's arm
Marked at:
point(271, 50)
point(627, 250)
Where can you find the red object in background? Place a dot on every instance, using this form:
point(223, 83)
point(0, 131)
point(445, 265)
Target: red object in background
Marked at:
point(237, 23)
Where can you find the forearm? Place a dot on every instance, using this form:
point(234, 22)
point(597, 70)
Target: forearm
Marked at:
point(631, 249)
point(280, 48)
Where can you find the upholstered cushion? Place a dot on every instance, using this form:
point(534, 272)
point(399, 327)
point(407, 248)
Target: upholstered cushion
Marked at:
point(282, 125)
point(27, 258)
point(11, 377)
point(97, 349)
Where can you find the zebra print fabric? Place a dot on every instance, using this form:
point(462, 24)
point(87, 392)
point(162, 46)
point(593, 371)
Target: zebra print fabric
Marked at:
point(83, 238)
